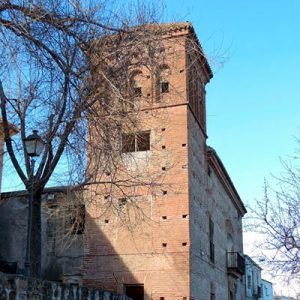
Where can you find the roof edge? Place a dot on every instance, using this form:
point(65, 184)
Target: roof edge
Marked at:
point(216, 163)
point(52, 189)
point(12, 128)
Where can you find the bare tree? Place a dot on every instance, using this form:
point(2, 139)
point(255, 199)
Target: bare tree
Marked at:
point(69, 69)
point(47, 82)
point(277, 219)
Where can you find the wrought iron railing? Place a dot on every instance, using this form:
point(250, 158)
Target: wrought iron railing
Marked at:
point(236, 262)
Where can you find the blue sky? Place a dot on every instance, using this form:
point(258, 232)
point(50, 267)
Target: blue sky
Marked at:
point(253, 101)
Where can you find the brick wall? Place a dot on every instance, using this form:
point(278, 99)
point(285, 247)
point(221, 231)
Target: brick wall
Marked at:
point(149, 244)
point(160, 238)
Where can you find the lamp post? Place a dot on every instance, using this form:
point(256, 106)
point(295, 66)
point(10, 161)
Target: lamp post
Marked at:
point(34, 147)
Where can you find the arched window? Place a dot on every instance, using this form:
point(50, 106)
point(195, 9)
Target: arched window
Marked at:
point(230, 247)
point(135, 84)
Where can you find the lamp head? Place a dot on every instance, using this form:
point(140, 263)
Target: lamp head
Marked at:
point(34, 144)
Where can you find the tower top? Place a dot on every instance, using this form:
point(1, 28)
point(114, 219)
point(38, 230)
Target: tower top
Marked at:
point(12, 129)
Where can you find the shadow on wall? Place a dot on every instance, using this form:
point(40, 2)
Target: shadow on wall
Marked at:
point(102, 268)
point(57, 260)
point(13, 224)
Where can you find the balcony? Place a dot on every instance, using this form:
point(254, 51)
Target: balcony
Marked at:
point(258, 292)
point(235, 264)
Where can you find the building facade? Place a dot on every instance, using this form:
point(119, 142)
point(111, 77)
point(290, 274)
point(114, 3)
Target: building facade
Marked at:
point(174, 232)
point(267, 290)
point(184, 240)
point(62, 243)
point(253, 279)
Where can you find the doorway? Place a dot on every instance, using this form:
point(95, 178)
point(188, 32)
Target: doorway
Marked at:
point(134, 291)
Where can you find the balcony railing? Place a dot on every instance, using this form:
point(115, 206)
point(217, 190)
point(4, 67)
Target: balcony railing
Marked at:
point(258, 293)
point(235, 263)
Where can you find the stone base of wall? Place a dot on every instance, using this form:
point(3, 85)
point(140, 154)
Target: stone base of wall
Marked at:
point(15, 287)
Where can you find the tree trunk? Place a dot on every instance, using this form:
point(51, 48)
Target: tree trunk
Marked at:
point(35, 250)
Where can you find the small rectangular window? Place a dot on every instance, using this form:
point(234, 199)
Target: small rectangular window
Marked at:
point(137, 92)
point(122, 202)
point(164, 87)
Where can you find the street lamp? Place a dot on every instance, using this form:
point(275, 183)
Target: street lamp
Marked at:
point(34, 147)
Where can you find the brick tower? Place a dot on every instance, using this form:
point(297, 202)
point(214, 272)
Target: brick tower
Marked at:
point(185, 239)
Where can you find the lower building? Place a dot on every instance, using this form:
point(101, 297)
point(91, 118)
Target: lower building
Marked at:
point(253, 279)
point(267, 290)
point(62, 244)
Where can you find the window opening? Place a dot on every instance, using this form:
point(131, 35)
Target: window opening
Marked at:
point(128, 142)
point(211, 241)
point(122, 202)
point(143, 141)
point(249, 282)
point(134, 142)
point(164, 87)
point(135, 292)
point(137, 92)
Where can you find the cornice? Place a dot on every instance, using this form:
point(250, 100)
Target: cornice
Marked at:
point(216, 163)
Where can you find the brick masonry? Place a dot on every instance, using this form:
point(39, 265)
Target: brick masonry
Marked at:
point(164, 245)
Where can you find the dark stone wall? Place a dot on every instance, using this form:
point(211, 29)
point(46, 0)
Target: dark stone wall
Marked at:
point(19, 288)
point(62, 256)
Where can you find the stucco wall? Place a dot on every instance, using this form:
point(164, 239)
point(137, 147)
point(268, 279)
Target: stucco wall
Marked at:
point(267, 290)
point(60, 255)
point(19, 288)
